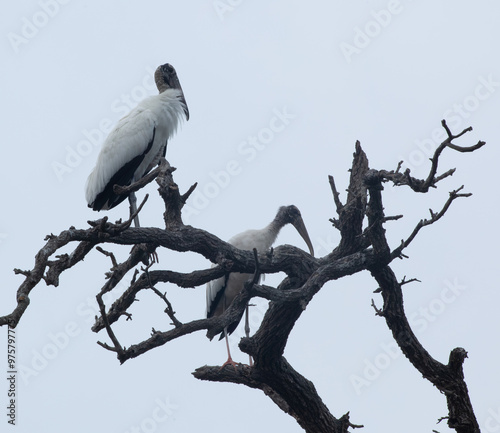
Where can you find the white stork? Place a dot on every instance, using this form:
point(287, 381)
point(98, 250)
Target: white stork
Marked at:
point(221, 292)
point(137, 142)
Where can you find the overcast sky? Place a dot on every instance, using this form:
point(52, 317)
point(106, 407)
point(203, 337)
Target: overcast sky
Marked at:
point(278, 93)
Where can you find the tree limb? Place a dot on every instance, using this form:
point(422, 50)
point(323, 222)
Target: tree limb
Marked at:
point(363, 247)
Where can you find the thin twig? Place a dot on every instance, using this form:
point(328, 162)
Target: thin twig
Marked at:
point(338, 203)
point(108, 254)
point(117, 346)
point(423, 185)
point(411, 280)
point(344, 419)
point(392, 218)
point(128, 223)
point(424, 222)
point(143, 181)
point(107, 346)
point(186, 195)
point(169, 310)
point(378, 311)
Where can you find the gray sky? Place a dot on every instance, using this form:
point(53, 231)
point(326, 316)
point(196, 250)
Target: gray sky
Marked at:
point(302, 81)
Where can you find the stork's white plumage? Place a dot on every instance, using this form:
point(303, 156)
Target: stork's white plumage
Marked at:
point(137, 142)
point(221, 292)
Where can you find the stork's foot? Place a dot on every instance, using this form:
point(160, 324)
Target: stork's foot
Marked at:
point(231, 362)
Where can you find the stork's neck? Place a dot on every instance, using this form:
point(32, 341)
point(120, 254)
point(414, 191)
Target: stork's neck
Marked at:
point(273, 230)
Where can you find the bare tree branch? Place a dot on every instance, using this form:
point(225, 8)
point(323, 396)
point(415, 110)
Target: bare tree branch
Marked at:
point(449, 379)
point(338, 203)
point(363, 247)
point(143, 181)
point(169, 310)
point(426, 222)
point(420, 185)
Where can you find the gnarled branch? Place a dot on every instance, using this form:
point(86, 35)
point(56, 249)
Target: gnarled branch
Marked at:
point(363, 247)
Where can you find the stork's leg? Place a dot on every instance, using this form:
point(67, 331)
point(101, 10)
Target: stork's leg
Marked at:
point(247, 331)
point(229, 359)
point(133, 208)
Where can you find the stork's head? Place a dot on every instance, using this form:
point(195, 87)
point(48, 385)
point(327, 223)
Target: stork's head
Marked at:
point(166, 78)
point(291, 215)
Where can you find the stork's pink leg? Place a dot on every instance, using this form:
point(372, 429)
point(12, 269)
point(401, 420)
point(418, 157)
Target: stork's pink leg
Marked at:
point(229, 359)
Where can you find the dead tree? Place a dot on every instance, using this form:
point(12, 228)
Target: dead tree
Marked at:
point(363, 246)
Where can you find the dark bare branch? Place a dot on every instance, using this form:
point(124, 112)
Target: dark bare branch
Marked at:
point(336, 199)
point(363, 247)
point(169, 310)
point(117, 347)
point(108, 254)
point(186, 195)
point(295, 394)
point(143, 181)
point(351, 217)
point(411, 280)
point(426, 222)
point(449, 378)
point(421, 185)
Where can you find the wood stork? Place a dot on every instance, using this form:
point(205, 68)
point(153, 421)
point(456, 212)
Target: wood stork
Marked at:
point(137, 142)
point(221, 292)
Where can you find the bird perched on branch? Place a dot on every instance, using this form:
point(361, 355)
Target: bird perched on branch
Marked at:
point(137, 142)
point(221, 292)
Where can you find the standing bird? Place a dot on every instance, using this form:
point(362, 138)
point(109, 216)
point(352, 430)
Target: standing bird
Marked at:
point(221, 292)
point(137, 142)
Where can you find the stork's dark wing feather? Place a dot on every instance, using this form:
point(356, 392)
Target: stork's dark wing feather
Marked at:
point(215, 296)
point(123, 177)
point(231, 328)
point(161, 154)
point(215, 292)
